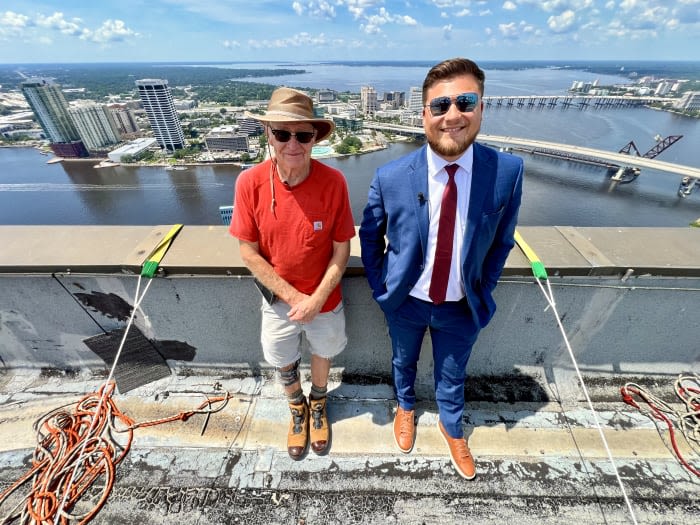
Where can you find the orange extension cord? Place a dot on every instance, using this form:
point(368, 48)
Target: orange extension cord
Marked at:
point(688, 390)
point(77, 450)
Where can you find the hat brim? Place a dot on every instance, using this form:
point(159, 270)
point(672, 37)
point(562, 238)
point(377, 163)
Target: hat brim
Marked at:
point(324, 127)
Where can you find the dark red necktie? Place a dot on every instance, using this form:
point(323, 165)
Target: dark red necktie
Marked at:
point(445, 236)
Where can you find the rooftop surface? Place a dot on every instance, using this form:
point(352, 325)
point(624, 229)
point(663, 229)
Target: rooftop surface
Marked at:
point(536, 463)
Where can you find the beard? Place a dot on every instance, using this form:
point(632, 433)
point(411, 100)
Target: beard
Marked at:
point(449, 149)
point(449, 146)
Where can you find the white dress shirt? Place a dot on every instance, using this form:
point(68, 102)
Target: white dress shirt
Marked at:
point(437, 180)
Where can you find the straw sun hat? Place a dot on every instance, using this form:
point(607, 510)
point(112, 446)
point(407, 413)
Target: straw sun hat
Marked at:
point(290, 105)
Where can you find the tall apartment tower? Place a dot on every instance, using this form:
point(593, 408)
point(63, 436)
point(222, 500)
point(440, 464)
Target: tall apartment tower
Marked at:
point(95, 125)
point(51, 109)
point(415, 99)
point(124, 119)
point(158, 102)
point(368, 100)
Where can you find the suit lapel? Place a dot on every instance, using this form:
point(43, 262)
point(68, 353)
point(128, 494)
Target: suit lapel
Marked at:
point(483, 177)
point(417, 175)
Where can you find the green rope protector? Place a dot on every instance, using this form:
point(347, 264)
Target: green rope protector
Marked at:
point(538, 269)
point(150, 265)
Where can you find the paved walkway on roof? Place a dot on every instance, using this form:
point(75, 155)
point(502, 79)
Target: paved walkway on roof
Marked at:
point(535, 462)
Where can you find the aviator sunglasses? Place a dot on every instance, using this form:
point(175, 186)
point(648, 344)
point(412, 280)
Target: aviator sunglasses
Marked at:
point(465, 102)
point(303, 137)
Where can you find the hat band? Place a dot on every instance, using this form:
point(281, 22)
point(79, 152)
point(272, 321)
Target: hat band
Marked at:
point(294, 116)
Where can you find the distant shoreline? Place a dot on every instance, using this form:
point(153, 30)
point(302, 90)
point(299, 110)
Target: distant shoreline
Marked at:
point(107, 163)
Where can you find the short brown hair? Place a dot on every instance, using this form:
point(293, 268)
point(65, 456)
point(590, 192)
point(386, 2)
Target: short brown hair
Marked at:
point(451, 68)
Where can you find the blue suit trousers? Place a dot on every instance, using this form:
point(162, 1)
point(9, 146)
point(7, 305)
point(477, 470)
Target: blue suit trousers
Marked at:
point(453, 332)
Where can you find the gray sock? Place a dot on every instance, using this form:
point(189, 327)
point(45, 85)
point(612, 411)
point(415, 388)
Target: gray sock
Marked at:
point(296, 398)
point(318, 392)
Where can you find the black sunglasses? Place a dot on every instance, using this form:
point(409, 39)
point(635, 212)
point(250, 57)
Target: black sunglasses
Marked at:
point(465, 102)
point(303, 137)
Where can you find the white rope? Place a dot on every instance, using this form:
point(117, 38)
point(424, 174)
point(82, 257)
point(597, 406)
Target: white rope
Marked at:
point(137, 305)
point(610, 286)
point(552, 304)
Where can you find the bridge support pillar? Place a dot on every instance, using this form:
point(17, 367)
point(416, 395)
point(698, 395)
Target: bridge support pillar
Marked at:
point(625, 174)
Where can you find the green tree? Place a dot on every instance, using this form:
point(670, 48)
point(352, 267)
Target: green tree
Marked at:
point(349, 146)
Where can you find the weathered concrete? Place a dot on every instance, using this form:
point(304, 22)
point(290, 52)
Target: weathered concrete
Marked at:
point(626, 297)
point(536, 463)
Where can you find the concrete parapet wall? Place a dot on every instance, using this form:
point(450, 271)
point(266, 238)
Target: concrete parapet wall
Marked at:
point(628, 299)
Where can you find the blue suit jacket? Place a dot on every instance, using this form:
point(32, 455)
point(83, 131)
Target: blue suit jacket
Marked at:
point(394, 229)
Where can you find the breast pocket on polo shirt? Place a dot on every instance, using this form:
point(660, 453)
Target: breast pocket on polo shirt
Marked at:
point(317, 229)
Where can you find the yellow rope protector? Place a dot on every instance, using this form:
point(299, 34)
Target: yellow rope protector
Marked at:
point(538, 269)
point(151, 263)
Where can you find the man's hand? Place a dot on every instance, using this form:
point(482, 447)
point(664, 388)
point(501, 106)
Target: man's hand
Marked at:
point(304, 308)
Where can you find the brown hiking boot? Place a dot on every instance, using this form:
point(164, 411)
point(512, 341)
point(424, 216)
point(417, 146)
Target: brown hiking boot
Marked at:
point(319, 426)
point(298, 435)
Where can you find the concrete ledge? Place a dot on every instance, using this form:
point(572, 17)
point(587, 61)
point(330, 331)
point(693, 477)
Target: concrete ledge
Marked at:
point(210, 250)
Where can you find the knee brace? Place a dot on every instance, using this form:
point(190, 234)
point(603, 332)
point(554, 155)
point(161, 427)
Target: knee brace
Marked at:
point(290, 376)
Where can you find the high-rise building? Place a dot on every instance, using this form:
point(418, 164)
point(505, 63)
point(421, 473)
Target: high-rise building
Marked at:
point(250, 126)
point(51, 109)
point(158, 103)
point(394, 99)
point(368, 100)
point(415, 99)
point(226, 138)
point(95, 125)
point(124, 119)
point(690, 101)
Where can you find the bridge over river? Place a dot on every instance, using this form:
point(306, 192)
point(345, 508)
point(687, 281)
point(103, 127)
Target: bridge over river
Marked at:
point(627, 166)
point(580, 101)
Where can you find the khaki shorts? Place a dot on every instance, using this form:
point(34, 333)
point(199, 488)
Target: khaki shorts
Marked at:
point(282, 339)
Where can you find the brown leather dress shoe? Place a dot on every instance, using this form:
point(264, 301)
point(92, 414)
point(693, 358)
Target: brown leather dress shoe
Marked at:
point(319, 428)
point(459, 453)
point(405, 429)
point(298, 434)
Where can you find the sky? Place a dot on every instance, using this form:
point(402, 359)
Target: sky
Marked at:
point(34, 31)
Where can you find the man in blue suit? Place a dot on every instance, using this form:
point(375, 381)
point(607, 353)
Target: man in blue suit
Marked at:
point(435, 234)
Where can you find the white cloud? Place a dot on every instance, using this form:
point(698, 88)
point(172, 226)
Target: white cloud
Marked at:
point(563, 22)
point(13, 20)
point(509, 30)
point(58, 23)
point(373, 23)
point(447, 32)
point(298, 40)
point(509, 6)
point(231, 44)
point(315, 8)
point(109, 31)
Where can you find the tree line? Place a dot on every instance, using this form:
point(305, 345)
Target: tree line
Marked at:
point(100, 81)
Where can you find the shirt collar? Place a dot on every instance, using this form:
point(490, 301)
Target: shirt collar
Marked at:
point(437, 163)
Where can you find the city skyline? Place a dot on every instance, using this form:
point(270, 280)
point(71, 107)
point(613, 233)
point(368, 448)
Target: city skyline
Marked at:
point(273, 30)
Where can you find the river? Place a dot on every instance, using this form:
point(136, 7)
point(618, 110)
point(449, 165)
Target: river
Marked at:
point(556, 192)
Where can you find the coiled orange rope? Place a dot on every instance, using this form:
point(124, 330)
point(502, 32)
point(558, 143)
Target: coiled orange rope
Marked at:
point(687, 389)
point(77, 451)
